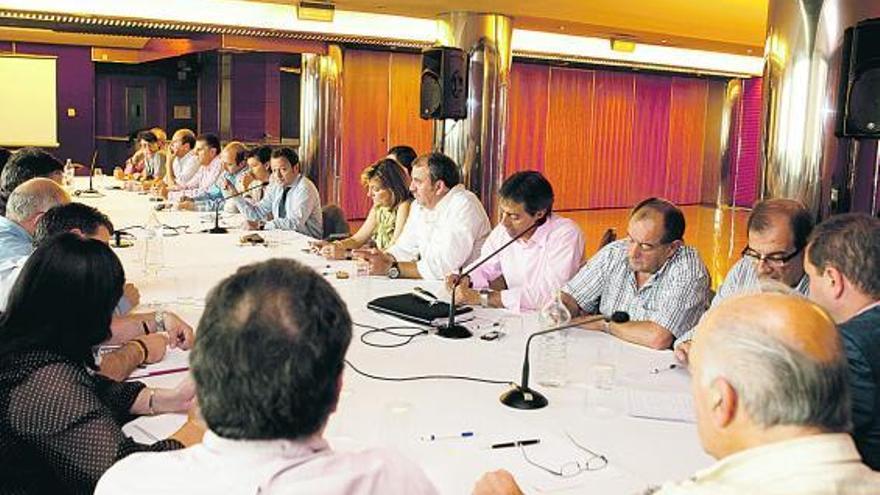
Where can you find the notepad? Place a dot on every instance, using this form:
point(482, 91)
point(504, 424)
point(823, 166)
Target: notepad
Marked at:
point(666, 406)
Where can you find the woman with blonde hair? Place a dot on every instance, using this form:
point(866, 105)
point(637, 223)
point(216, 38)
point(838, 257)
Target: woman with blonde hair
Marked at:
point(387, 184)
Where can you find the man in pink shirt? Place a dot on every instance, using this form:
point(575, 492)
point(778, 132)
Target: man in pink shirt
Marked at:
point(268, 367)
point(525, 275)
point(208, 152)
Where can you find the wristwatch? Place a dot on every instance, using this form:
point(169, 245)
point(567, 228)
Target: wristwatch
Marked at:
point(484, 297)
point(160, 321)
point(394, 271)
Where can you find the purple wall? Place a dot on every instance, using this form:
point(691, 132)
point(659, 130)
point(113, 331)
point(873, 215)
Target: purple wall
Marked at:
point(76, 89)
point(256, 96)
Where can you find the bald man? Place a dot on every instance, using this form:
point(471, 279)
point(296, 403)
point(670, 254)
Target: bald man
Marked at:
point(772, 405)
point(26, 205)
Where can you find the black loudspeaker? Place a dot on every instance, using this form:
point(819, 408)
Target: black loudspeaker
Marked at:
point(444, 83)
point(858, 109)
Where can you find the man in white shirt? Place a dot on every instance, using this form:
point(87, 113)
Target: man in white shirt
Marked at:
point(185, 162)
point(525, 275)
point(292, 203)
point(268, 369)
point(445, 229)
point(772, 405)
point(205, 177)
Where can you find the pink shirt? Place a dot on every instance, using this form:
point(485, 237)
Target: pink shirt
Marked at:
point(533, 269)
point(201, 181)
point(221, 465)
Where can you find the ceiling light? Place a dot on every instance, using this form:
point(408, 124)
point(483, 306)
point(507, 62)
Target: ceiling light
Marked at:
point(315, 11)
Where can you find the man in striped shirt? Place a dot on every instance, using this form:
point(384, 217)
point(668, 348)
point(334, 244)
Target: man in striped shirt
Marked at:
point(778, 230)
point(651, 275)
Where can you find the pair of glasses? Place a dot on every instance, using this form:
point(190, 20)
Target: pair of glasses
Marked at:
point(593, 462)
point(776, 260)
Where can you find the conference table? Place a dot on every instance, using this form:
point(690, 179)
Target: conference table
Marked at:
point(641, 452)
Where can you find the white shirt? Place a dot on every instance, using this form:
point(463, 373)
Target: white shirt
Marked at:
point(184, 168)
point(445, 238)
point(302, 207)
point(826, 464)
point(220, 465)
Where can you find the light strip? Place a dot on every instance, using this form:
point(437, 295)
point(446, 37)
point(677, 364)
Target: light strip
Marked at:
point(536, 43)
point(255, 15)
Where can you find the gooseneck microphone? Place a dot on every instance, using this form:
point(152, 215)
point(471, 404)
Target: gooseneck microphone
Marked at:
point(453, 331)
point(91, 191)
point(217, 229)
point(523, 397)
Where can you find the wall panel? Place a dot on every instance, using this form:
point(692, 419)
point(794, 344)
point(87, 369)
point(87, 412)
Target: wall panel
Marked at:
point(528, 118)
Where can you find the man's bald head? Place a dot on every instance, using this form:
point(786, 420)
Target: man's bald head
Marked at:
point(763, 362)
point(30, 200)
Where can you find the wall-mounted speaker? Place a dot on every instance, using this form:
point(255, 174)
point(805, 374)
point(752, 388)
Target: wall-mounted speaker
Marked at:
point(858, 109)
point(444, 83)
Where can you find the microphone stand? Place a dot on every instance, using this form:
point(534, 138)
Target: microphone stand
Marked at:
point(523, 397)
point(91, 191)
point(453, 331)
point(217, 229)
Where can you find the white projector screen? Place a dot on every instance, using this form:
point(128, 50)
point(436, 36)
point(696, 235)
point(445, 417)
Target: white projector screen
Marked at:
point(28, 116)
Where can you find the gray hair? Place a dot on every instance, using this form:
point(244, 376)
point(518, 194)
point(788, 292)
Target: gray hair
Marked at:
point(25, 202)
point(776, 383)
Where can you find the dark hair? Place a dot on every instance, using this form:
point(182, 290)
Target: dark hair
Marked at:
point(64, 218)
point(148, 136)
point(4, 157)
point(271, 348)
point(440, 167)
point(288, 154)
point(530, 189)
point(673, 218)
point(800, 220)
point(404, 154)
point(850, 243)
point(24, 165)
point(262, 153)
point(392, 176)
point(63, 300)
point(211, 140)
point(188, 138)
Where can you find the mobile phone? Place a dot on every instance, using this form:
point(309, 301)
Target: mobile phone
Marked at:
point(492, 335)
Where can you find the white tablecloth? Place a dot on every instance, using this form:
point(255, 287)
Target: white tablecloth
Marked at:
point(640, 452)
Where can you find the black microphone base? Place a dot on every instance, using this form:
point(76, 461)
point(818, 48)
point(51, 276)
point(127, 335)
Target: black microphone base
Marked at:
point(523, 398)
point(88, 192)
point(217, 230)
point(454, 332)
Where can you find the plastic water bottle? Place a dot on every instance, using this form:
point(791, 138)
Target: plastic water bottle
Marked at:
point(553, 347)
point(154, 248)
point(69, 172)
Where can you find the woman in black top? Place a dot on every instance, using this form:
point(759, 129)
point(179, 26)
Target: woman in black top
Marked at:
point(60, 422)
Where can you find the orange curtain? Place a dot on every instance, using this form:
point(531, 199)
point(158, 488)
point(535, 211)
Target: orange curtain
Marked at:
point(608, 139)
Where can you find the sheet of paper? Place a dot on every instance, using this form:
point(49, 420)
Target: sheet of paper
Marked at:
point(662, 405)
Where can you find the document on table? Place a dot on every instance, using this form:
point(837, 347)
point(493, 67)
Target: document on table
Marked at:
point(662, 405)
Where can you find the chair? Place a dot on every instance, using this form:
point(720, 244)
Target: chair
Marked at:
point(335, 224)
point(608, 237)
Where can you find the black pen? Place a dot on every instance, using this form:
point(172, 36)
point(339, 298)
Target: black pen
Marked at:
point(516, 443)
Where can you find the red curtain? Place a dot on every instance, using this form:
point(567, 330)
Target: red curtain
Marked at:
point(607, 139)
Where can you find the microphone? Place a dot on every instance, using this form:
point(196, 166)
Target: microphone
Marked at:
point(91, 191)
point(217, 229)
point(521, 396)
point(453, 331)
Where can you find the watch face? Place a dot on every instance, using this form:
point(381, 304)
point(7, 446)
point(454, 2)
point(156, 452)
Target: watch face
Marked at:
point(393, 272)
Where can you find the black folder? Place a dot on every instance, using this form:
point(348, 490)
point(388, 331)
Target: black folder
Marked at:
point(411, 308)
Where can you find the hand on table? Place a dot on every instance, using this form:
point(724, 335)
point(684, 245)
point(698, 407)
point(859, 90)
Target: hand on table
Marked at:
point(180, 334)
point(683, 351)
point(156, 344)
point(379, 262)
point(130, 292)
point(497, 483)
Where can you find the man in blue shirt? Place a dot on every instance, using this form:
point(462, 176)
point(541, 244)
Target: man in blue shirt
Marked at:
point(292, 203)
point(27, 203)
point(843, 262)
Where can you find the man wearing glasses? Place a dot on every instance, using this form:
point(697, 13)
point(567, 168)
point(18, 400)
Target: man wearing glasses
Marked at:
point(651, 275)
point(771, 403)
point(777, 235)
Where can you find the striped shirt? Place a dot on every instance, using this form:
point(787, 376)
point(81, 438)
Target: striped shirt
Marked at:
point(674, 297)
point(742, 279)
